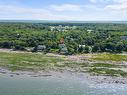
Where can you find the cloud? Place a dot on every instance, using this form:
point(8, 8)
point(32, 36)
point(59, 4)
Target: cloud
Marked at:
point(91, 11)
point(110, 5)
point(18, 12)
point(119, 1)
point(115, 1)
point(119, 6)
point(66, 7)
point(93, 1)
point(101, 1)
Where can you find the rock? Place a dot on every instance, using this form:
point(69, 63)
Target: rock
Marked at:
point(11, 76)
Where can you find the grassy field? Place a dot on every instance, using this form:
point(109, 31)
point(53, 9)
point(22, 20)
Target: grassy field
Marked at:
point(35, 62)
point(109, 57)
point(28, 61)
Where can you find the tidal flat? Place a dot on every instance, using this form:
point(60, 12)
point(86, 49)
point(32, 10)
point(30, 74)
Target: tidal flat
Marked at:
point(112, 68)
point(26, 73)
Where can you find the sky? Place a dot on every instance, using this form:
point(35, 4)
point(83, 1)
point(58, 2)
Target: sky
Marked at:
point(75, 10)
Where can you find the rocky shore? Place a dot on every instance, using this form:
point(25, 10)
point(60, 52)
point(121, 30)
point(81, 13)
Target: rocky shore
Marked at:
point(81, 76)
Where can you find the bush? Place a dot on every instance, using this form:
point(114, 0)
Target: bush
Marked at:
point(6, 45)
point(18, 47)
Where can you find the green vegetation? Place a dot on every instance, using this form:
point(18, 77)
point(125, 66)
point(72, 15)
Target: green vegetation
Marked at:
point(104, 65)
point(37, 62)
point(108, 72)
point(28, 61)
point(105, 40)
point(77, 37)
point(110, 57)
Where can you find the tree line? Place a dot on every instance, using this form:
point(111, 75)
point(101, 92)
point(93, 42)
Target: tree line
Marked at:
point(85, 38)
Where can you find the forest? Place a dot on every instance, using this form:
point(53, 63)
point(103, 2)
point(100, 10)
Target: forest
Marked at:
point(71, 38)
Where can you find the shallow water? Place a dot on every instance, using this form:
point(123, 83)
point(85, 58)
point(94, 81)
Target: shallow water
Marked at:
point(26, 85)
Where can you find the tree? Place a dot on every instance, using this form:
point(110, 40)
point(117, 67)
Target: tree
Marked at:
point(72, 47)
point(80, 49)
point(18, 47)
point(119, 47)
point(7, 45)
point(110, 47)
point(96, 48)
point(86, 49)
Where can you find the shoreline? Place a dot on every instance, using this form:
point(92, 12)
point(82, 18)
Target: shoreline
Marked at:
point(68, 72)
point(97, 79)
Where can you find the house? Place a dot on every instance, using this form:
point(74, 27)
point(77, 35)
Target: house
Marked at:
point(39, 48)
point(61, 28)
point(63, 49)
point(89, 31)
point(123, 37)
point(82, 46)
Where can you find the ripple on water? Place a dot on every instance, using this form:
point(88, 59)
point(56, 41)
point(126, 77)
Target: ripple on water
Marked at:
point(107, 89)
point(19, 85)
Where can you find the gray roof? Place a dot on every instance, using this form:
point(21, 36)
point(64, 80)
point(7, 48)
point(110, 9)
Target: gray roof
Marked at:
point(41, 47)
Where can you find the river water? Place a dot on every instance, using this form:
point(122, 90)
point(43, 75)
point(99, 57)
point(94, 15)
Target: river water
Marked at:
point(27, 85)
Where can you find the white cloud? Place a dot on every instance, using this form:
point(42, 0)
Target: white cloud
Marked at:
point(119, 1)
point(115, 1)
point(96, 1)
point(119, 6)
point(65, 12)
point(93, 1)
point(111, 5)
point(66, 7)
point(18, 12)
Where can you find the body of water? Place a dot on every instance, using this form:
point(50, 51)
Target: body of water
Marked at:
point(26, 85)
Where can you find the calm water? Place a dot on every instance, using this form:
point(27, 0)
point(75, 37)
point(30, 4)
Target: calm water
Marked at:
point(26, 85)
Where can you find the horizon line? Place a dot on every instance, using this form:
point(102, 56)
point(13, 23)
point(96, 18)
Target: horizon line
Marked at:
point(60, 21)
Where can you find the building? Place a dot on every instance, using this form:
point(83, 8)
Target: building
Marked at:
point(123, 37)
point(63, 49)
point(39, 48)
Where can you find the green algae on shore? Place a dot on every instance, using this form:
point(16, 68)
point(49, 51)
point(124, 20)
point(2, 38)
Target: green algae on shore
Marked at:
point(37, 61)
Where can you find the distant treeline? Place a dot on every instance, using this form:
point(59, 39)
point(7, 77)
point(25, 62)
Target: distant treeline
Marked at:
point(85, 38)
